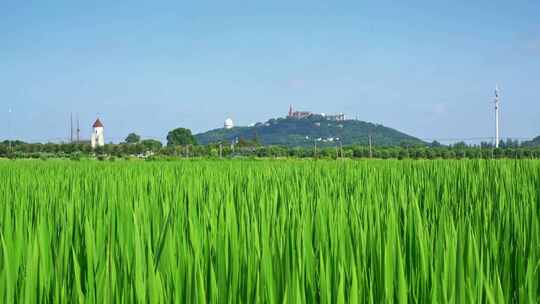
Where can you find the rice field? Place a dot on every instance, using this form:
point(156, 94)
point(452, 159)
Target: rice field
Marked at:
point(284, 231)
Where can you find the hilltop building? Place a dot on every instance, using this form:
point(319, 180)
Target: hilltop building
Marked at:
point(336, 117)
point(228, 124)
point(304, 114)
point(98, 137)
point(298, 114)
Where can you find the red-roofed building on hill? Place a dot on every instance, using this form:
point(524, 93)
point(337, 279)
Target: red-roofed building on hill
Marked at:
point(298, 114)
point(98, 137)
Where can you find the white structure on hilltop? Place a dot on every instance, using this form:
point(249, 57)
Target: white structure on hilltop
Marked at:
point(497, 117)
point(305, 114)
point(98, 138)
point(336, 117)
point(228, 124)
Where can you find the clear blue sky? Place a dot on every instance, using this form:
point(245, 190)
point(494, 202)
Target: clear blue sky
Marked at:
point(427, 68)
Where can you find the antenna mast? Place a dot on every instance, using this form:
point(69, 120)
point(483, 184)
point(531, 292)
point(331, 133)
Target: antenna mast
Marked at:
point(497, 117)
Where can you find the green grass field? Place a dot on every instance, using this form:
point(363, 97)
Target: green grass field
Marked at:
point(270, 231)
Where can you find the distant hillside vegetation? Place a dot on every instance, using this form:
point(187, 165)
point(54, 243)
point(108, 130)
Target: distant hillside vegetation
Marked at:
point(532, 143)
point(304, 132)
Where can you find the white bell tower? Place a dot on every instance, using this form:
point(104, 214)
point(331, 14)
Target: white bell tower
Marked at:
point(98, 137)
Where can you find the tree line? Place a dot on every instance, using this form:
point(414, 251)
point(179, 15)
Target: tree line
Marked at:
point(155, 150)
point(182, 144)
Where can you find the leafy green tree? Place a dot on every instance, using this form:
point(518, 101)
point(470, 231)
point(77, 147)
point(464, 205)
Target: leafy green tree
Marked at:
point(498, 152)
point(460, 145)
point(180, 137)
point(99, 150)
point(403, 154)
point(420, 153)
point(473, 153)
point(133, 138)
point(3, 150)
point(487, 153)
point(435, 144)
point(115, 150)
point(152, 144)
point(460, 153)
point(384, 154)
point(509, 153)
point(108, 149)
point(86, 148)
point(448, 154)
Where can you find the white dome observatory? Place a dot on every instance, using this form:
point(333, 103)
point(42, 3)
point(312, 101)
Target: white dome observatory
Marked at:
point(228, 124)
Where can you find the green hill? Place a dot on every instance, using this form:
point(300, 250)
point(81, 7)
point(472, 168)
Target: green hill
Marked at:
point(306, 131)
point(535, 142)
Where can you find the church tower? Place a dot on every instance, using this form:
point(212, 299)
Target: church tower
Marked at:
point(98, 138)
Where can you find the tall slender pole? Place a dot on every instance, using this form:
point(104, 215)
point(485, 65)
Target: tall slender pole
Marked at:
point(220, 150)
point(497, 117)
point(78, 130)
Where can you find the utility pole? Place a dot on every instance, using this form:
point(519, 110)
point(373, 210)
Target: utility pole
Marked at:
point(370, 151)
point(220, 149)
point(71, 128)
point(78, 130)
point(497, 117)
point(314, 148)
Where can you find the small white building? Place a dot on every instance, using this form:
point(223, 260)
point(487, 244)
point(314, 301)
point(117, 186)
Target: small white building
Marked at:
point(228, 124)
point(98, 137)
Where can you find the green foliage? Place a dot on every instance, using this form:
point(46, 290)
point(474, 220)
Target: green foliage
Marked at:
point(532, 143)
point(133, 138)
point(180, 137)
point(151, 144)
point(270, 231)
point(250, 148)
point(303, 132)
point(75, 156)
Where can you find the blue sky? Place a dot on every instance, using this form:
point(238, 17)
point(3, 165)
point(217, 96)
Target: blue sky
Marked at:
point(427, 68)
